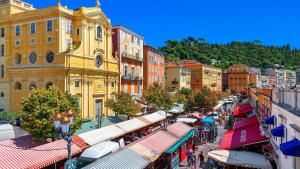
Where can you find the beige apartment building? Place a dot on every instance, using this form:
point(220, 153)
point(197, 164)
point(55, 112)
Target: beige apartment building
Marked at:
point(177, 78)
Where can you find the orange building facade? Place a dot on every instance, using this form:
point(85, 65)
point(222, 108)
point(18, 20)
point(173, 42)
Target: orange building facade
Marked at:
point(238, 78)
point(154, 67)
point(128, 47)
point(202, 75)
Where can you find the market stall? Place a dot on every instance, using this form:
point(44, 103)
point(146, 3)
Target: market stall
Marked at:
point(240, 159)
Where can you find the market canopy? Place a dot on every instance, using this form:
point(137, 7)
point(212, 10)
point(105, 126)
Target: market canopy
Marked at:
point(153, 117)
point(241, 137)
point(179, 129)
point(219, 105)
point(6, 132)
point(240, 124)
point(125, 159)
point(181, 141)
point(131, 125)
point(186, 120)
point(152, 146)
point(270, 120)
point(16, 154)
point(241, 158)
point(197, 115)
point(208, 120)
point(278, 131)
point(99, 135)
point(99, 150)
point(291, 148)
point(242, 111)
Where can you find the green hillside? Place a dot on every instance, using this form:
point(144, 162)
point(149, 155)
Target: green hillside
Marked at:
point(254, 54)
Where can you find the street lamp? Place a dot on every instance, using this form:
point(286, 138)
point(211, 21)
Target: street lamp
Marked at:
point(62, 127)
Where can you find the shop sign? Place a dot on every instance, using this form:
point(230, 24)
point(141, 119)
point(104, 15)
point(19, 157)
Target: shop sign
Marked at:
point(175, 162)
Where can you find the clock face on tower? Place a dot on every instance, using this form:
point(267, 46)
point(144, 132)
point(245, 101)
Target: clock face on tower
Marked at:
point(98, 60)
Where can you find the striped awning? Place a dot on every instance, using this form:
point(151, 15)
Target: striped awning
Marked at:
point(125, 159)
point(14, 155)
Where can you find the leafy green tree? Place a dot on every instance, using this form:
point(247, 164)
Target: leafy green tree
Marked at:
point(9, 116)
point(38, 110)
point(123, 104)
point(157, 96)
point(204, 99)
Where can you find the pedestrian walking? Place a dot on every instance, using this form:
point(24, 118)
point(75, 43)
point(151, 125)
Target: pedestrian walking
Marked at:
point(189, 153)
point(201, 159)
point(193, 160)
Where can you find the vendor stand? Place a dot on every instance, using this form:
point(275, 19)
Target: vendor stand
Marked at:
point(208, 130)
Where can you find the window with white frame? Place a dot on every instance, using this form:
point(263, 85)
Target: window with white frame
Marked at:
point(49, 25)
point(132, 88)
point(69, 27)
point(139, 89)
point(32, 28)
point(125, 87)
point(17, 30)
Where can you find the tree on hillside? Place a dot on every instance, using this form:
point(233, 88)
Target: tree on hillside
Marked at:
point(254, 54)
point(38, 110)
point(123, 104)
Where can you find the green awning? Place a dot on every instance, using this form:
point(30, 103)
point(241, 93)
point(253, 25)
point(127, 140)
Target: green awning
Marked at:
point(180, 142)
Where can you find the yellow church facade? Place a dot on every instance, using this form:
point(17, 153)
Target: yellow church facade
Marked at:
point(70, 49)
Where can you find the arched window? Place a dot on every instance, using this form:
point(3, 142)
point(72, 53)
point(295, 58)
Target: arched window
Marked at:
point(18, 86)
point(17, 58)
point(48, 85)
point(32, 86)
point(50, 57)
point(32, 58)
point(1, 94)
point(99, 32)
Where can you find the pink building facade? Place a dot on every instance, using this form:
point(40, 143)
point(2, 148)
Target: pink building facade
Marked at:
point(128, 47)
point(154, 67)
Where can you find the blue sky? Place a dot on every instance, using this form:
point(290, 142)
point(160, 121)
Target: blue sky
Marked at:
point(274, 22)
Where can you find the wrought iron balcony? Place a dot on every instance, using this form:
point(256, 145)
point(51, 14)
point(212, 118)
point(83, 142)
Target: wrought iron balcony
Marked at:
point(133, 57)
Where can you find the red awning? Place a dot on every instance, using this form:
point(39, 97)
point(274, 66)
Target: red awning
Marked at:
point(245, 122)
point(15, 155)
point(243, 136)
point(243, 110)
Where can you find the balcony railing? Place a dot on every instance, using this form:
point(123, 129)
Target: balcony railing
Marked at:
point(133, 57)
point(132, 77)
point(288, 99)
